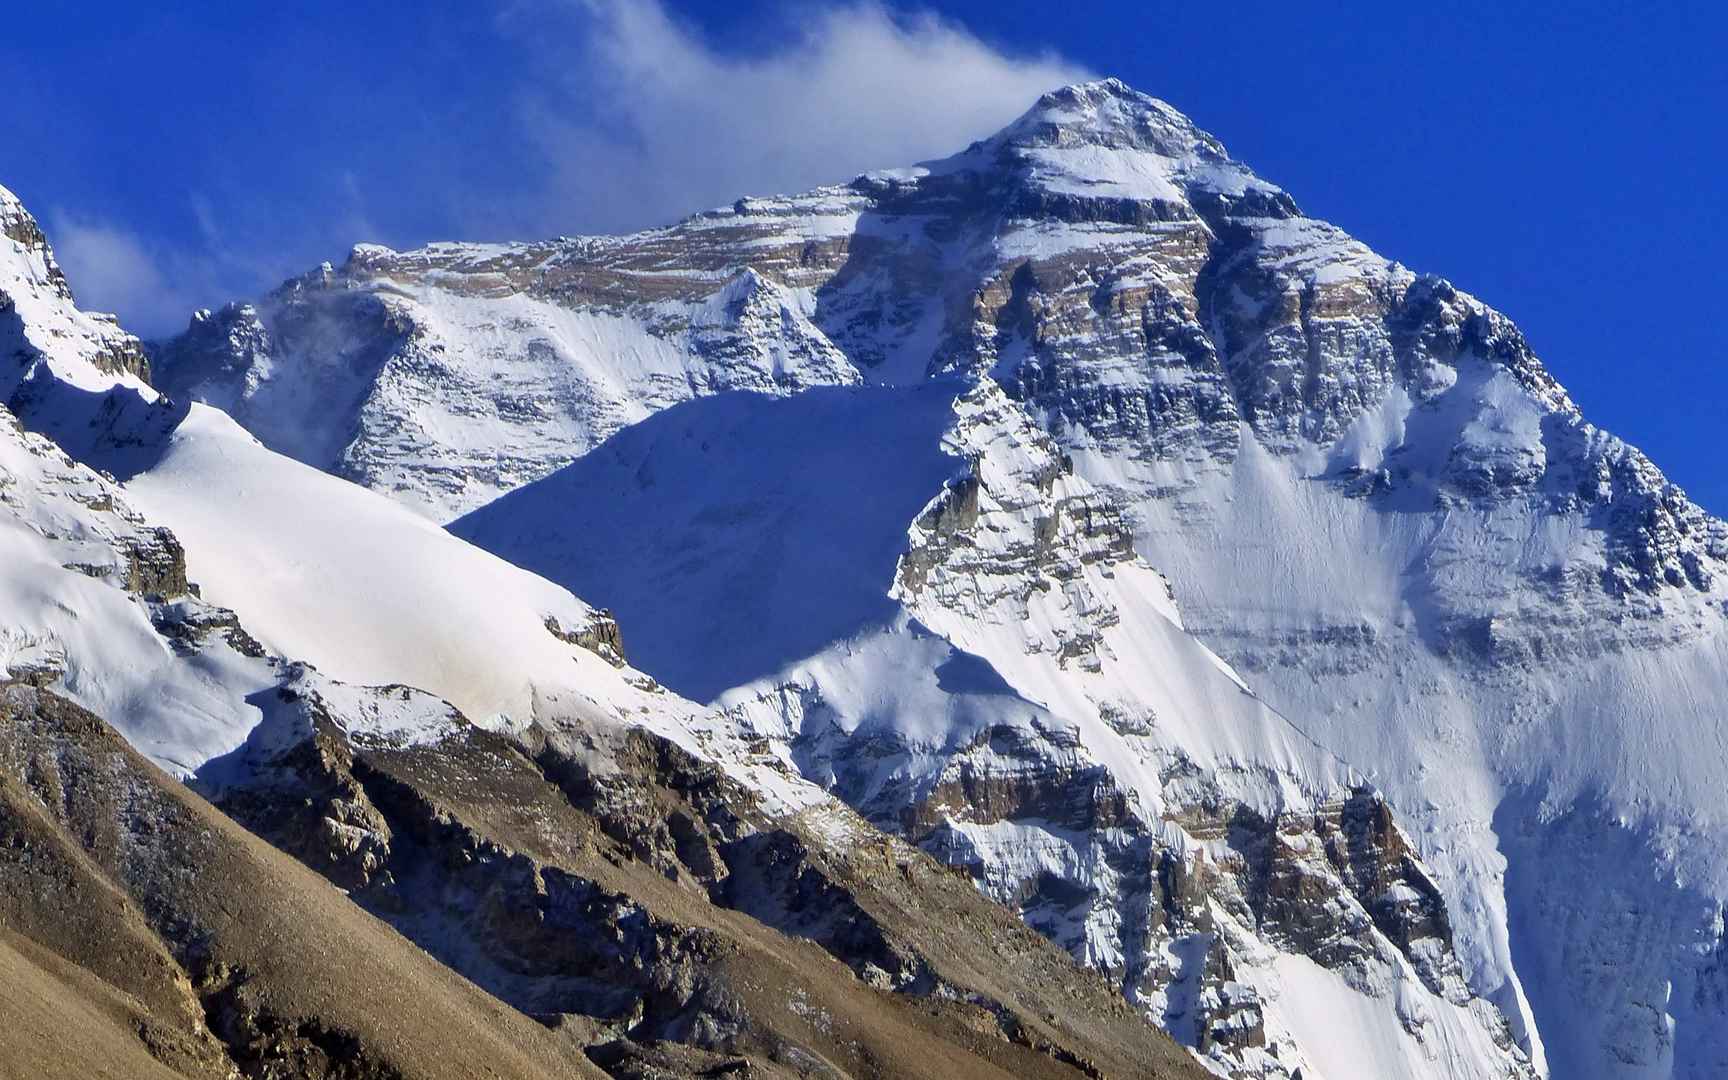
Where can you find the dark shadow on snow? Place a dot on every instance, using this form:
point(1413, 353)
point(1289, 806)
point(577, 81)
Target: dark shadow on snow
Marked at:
point(115, 429)
point(736, 534)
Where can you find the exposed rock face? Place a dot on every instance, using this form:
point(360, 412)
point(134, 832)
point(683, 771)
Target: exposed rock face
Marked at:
point(17, 225)
point(621, 890)
point(1020, 526)
point(156, 567)
point(600, 635)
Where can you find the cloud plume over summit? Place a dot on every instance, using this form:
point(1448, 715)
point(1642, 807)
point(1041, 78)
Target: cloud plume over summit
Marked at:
point(641, 119)
point(526, 120)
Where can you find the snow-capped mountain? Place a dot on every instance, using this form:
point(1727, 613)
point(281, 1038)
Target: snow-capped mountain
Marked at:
point(1362, 486)
point(1365, 491)
point(456, 752)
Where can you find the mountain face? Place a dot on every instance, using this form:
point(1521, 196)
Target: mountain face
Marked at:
point(360, 700)
point(295, 783)
point(1018, 697)
point(988, 394)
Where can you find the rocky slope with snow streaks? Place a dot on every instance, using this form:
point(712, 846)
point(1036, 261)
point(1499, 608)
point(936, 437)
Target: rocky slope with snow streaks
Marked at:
point(1013, 692)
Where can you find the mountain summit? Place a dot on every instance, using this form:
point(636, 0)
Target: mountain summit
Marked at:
point(1105, 140)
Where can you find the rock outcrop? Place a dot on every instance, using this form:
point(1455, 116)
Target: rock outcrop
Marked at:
point(615, 887)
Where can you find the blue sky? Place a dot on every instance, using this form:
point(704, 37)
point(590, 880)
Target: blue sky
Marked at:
point(1567, 165)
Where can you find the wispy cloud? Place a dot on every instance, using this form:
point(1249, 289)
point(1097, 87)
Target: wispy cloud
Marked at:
point(112, 269)
point(641, 120)
point(155, 284)
point(618, 115)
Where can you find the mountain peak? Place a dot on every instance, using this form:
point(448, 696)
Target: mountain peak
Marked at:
point(1106, 140)
point(42, 324)
point(11, 207)
point(17, 225)
point(1110, 113)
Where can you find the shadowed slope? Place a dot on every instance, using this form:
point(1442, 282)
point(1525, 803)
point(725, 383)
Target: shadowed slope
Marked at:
point(734, 535)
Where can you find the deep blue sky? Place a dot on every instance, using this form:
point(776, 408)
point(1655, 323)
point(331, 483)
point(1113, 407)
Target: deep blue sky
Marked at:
point(1567, 165)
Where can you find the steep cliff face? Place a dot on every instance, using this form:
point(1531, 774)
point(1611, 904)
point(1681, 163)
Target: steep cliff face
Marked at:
point(1363, 489)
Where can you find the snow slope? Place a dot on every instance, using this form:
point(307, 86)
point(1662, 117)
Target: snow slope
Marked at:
point(67, 540)
point(373, 594)
point(215, 569)
point(364, 590)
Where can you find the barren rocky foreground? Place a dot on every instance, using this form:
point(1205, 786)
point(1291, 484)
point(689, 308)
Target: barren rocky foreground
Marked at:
point(506, 914)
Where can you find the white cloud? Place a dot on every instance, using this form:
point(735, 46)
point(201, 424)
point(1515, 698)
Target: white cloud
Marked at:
point(111, 269)
point(668, 124)
point(625, 117)
point(154, 285)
